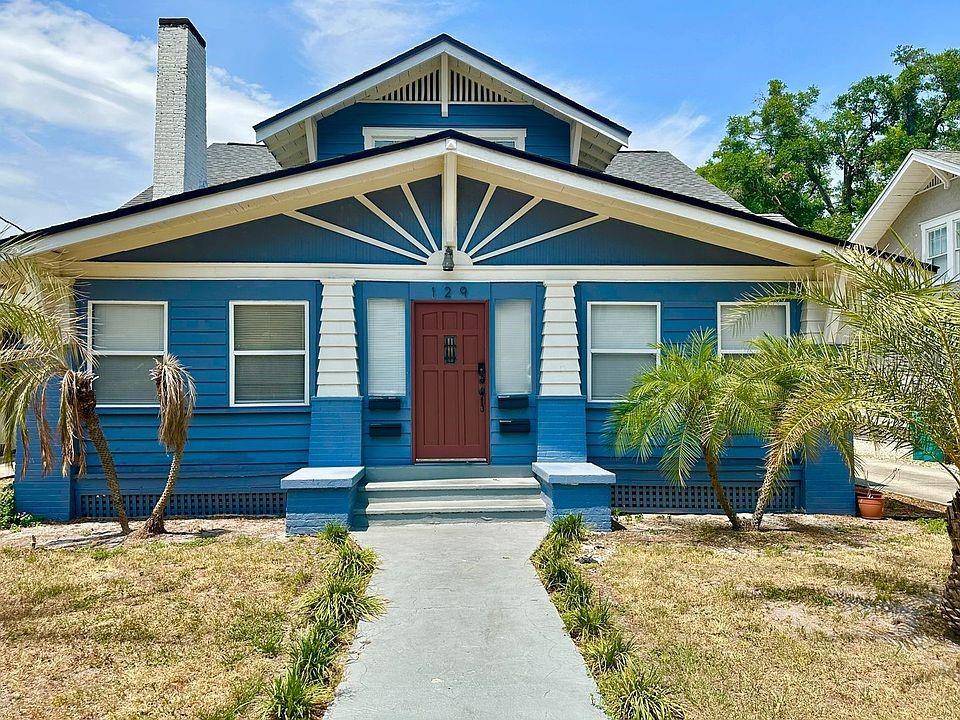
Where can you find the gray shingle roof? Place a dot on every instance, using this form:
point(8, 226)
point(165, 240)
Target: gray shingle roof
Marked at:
point(952, 156)
point(227, 162)
point(662, 170)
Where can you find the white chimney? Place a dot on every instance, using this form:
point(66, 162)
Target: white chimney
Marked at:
point(180, 143)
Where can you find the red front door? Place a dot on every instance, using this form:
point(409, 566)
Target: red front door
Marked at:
point(449, 381)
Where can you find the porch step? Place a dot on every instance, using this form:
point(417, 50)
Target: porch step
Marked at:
point(448, 500)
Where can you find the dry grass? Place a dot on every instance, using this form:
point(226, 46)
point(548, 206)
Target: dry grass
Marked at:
point(155, 630)
point(819, 617)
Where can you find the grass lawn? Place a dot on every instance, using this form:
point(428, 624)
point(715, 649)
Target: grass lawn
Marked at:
point(816, 617)
point(155, 630)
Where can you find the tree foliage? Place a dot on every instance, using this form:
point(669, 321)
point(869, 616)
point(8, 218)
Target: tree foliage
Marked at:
point(823, 169)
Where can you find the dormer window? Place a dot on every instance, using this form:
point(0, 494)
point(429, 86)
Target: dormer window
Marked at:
point(374, 137)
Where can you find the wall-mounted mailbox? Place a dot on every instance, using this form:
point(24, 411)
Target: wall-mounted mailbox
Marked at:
point(514, 426)
point(513, 402)
point(384, 429)
point(384, 402)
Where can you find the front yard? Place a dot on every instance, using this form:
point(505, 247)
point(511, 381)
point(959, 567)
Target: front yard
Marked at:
point(180, 628)
point(815, 617)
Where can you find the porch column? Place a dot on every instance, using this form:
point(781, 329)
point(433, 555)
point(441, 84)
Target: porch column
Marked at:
point(569, 485)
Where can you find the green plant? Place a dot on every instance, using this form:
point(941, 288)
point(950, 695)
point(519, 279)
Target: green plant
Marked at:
point(556, 570)
point(634, 693)
point(608, 653)
point(10, 519)
point(335, 533)
point(576, 593)
point(588, 622)
point(292, 697)
point(355, 560)
point(342, 601)
point(934, 526)
point(314, 653)
point(569, 528)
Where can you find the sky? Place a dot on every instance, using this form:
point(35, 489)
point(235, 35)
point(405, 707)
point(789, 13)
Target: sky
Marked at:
point(77, 79)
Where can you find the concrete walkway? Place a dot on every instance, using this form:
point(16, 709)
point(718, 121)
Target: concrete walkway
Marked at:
point(469, 632)
point(921, 481)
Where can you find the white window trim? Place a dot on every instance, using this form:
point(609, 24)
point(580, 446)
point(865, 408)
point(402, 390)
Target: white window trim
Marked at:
point(399, 134)
point(720, 305)
point(305, 352)
point(129, 353)
point(613, 351)
point(953, 241)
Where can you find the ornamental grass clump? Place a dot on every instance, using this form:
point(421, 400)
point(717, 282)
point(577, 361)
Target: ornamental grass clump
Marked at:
point(355, 560)
point(588, 621)
point(293, 697)
point(637, 693)
point(342, 601)
point(608, 653)
point(335, 533)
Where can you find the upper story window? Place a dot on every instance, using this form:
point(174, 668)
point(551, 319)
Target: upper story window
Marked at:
point(736, 330)
point(622, 342)
point(374, 137)
point(941, 245)
point(125, 338)
point(268, 353)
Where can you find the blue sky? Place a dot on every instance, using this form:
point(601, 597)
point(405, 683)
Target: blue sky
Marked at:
point(76, 78)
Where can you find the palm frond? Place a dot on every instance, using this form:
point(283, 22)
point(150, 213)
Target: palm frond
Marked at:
point(177, 396)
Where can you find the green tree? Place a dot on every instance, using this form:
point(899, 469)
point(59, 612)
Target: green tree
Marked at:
point(822, 170)
point(895, 375)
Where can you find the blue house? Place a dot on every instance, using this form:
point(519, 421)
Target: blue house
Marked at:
point(415, 298)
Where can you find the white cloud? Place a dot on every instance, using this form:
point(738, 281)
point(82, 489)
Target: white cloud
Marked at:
point(345, 37)
point(687, 134)
point(83, 92)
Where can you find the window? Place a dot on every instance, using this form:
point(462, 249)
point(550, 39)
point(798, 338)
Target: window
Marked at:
point(386, 347)
point(374, 137)
point(622, 339)
point(268, 353)
point(125, 338)
point(512, 338)
point(736, 330)
point(941, 245)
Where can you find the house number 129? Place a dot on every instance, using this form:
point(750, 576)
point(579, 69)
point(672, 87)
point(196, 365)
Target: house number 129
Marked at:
point(447, 292)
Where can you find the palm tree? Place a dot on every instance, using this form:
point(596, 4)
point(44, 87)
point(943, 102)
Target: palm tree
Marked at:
point(177, 396)
point(41, 349)
point(895, 376)
point(683, 407)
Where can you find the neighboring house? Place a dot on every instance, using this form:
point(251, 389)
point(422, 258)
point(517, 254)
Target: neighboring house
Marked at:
point(919, 208)
point(436, 273)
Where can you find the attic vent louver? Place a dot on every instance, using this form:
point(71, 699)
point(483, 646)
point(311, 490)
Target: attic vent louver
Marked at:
point(426, 88)
point(934, 182)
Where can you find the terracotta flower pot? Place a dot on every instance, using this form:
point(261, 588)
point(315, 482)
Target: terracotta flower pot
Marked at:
point(870, 507)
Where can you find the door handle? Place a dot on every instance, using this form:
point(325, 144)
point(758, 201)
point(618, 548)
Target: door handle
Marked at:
point(482, 378)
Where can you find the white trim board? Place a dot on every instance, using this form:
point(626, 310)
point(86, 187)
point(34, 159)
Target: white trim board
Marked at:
point(400, 134)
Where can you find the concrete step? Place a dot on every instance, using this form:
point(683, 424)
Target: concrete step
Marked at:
point(445, 471)
point(452, 488)
point(426, 510)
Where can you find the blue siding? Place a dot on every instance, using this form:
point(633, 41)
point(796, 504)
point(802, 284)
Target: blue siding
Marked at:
point(827, 486)
point(342, 132)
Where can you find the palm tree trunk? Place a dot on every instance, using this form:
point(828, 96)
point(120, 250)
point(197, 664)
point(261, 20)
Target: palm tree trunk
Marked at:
point(718, 490)
point(950, 608)
point(154, 523)
point(92, 423)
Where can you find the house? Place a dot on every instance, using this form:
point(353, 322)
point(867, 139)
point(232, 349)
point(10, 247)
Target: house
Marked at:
point(417, 296)
point(919, 210)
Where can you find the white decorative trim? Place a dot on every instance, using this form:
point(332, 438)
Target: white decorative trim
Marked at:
point(449, 196)
point(444, 85)
point(560, 352)
point(491, 189)
point(527, 207)
point(576, 138)
point(347, 232)
point(400, 230)
point(412, 201)
point(399, 134)
point(337, 369)
point(655, 351)
point(310, 129)
point(586, 222)
point(427, 273)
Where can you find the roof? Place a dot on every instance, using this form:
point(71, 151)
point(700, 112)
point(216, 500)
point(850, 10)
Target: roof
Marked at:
point(664, 170)
point(226, 162)
point(913, 175)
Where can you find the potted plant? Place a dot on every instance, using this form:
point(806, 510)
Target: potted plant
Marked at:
point(870, 500)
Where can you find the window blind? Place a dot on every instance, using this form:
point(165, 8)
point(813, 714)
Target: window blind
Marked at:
point(386, 347)
point(131, 327)
point(623, 339)
point(268, 327)
point(613, 374)
point(269, 353)
point(513, 352)
point(126, 338)
point(737, 329)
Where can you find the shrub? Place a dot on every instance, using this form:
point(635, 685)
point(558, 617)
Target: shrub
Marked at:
point(342, 601)
point(355, 560)
point(608, 653)
point(634, 693)
point(292, 697)
point(314, 654)
point(335, 533)
point(588, 622)
point(10, 519)
point(569, 528)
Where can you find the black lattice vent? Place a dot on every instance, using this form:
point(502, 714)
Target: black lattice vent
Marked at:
point(261, 504)
point(695, 498)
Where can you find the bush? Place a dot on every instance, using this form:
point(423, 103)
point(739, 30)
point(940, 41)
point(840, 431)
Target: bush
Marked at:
point(335, 533)
point(292, 697)
point(576, 593)
point(315, 653)
point(342, 601)
point(569, 528)
point(355, 560)
point(588, 622)
point(10, 519)
point(634, 693)
point(608, 653)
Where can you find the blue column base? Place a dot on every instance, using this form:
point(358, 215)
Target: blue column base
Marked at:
point(576, 489)
point(317, 497)
point(336, 431)
point(827, 485)
point(561, 428)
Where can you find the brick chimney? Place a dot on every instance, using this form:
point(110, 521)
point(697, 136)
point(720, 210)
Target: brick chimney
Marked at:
point(180, 142)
